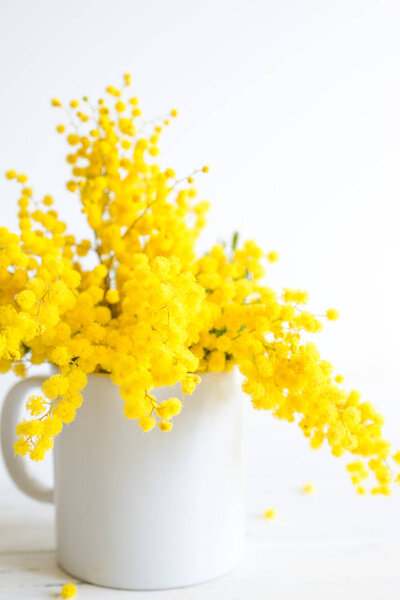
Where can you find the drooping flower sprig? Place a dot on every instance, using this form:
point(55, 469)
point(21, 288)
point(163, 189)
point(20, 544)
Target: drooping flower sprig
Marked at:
point(133, 301)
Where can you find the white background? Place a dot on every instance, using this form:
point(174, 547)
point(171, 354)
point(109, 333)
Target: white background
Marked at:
point(295, 105)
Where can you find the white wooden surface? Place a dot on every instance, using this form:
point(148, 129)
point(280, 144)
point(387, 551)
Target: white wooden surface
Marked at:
point(349, 551)
point(330, 545)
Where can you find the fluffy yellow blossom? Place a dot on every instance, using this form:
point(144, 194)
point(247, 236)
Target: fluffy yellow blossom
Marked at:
point(26, 299)
point(112, 296)
point(36, 405)
point(61, 356)
point(189, 383)
point(165, 425)
point(332, 314)
point(169, 408)
point(19, 369)
point(55, 386)
point(47, 200)
point(396, 457)
point(308, 488)
point(270, 513)
point(68, 591)
point(147, 423)
point(273, 256)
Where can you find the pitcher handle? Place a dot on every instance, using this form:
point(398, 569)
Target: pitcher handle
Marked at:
point(17, 466)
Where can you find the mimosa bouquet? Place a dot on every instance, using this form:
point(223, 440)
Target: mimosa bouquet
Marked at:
point(134, 300)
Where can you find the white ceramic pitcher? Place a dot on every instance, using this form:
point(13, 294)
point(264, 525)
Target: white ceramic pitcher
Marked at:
point(141, 510)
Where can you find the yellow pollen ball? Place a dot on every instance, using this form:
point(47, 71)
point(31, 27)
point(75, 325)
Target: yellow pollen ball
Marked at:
point(73, 139)
point(396, 457)
point(308, 488)
point(72, 186)
point(273, 256)
point(68, 590)
point(112, 296)
point(120, 106)
point(26, 299)
point(270, 513)
point(165, 425)
point(147, 423)
point(332, 314)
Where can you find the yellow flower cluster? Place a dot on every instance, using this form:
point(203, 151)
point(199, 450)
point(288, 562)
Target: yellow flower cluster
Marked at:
point(121, 302)
point(135, 302)
point(247, 324)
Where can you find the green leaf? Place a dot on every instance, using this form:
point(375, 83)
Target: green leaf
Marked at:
point(218, 332)
point(235, 240)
